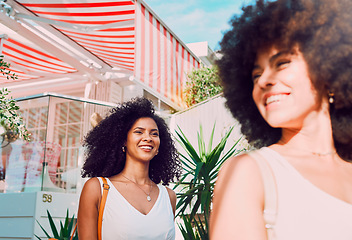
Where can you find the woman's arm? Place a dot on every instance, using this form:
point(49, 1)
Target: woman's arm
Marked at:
point(172, 196)
point(238, 202)
point(87, 217)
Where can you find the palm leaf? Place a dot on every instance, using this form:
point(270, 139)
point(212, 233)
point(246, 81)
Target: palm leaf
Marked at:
point(202, 230)
point(45, 232)
point(210, 144)
point(37, 237)
point(65, 228)
point(197, 170)
point(195, 207)
point(186, 160)
point(52, 225)
point(62, 231)
point(187, 229)
point(70, 226)
point(187, 145)
point(201, 144)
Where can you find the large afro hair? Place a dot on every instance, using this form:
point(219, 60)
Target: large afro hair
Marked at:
point(104, 155)
point(322, 30)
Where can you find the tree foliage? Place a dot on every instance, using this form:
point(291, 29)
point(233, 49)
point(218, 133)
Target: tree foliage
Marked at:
point(202, 83)
point(5, 69)
point(11, 123)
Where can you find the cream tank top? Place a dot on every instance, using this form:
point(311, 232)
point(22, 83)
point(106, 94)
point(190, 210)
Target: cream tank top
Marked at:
point(122, 221)
point(306, 212)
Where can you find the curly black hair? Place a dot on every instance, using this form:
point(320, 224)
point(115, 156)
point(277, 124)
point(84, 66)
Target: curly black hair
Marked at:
point(322, 31)
point(104, 155)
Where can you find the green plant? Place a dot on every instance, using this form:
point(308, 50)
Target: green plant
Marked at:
point(10, 120)
point(65, 229)
point(4, 69)
point(197, 184)
point(11, 124)
point(194, 229)
point(202, 84)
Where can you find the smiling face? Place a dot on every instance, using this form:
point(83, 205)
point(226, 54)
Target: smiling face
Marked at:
point(283, 91)
point(142, 140)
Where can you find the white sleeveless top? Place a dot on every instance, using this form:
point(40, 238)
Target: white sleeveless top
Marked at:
point(306, 212)
point(122, 221)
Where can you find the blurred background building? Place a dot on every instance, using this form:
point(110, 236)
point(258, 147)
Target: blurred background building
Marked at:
point(74, 60)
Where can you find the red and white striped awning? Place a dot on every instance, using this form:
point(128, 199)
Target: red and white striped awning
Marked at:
point(100, 39)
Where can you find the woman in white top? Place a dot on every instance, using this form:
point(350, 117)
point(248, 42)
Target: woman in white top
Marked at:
point(133, 148)
point(287, 76)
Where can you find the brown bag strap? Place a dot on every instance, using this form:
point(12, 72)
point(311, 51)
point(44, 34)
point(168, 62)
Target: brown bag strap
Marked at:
point(73, 233)
point(106, 188)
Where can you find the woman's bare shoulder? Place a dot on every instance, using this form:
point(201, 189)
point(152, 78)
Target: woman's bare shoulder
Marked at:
point(238, 200)
point(172, 195)
point(173, 198)
point(243, 163)
point(238, 174)
point(171, 192)
point(88, 209)
point(92, 187)
point(92, 183)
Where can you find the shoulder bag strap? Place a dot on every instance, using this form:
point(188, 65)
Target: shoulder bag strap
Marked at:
point(106, 188)
point(270, 193)
point(73, 233)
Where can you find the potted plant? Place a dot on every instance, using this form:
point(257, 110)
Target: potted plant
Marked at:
point(197, 184)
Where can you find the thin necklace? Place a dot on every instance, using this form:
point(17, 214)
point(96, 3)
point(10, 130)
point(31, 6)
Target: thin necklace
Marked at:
point(148, 194)
point(319, 154)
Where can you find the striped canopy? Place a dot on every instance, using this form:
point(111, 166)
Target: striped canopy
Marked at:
point(94, 40)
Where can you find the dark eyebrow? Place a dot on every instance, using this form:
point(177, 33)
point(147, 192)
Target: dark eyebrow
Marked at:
point(273, 58)
point(277, 55)
point(255, 67)
point(154, 129)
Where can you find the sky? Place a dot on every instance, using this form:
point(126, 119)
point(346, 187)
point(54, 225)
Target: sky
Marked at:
point(197, 20)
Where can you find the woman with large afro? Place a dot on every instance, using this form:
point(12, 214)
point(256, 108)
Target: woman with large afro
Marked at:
point(133, 149)
point(286, 70)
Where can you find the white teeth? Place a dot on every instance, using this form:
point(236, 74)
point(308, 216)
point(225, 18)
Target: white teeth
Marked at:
point(275, 98)
point(146, 147)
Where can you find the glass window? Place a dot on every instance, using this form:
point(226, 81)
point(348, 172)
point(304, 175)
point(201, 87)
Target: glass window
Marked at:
point(51, 161)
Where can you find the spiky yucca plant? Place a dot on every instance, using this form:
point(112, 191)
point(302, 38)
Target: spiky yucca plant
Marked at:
point(65, 229)
point(197, 184)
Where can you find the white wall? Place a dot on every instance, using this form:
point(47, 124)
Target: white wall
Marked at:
point(19, 212)
point(206, 113)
